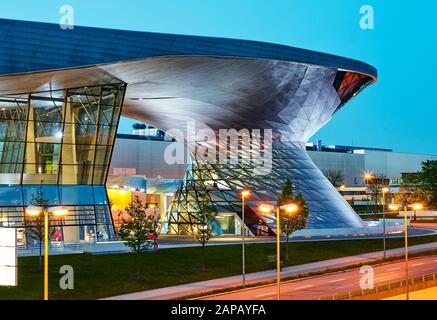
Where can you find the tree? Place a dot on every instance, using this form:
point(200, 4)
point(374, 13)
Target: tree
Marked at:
point(135, 230)
point(428, 181)
point(375, 185)
point(336, 177)
point(205, 216)
point(292, 222)
point(34, 226)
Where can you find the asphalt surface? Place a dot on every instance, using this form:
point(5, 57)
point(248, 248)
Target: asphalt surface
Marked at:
point(317, 287)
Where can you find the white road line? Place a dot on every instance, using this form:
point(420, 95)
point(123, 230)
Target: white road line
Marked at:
point(265, 294)
point(337, 280)
point(394, 269)
point(429, 268)
point(418, 264)
point(304, 287)
point(344, 287)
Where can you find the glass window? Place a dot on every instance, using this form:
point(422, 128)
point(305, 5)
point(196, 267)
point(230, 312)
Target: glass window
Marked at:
point(103, 154)
point(99, 175)
point(80, 154)
point(76, 174)
point(13, 130)
point(10, 196)
point(100, 196)
point(11, 152)
point(76, 195)
point(79, 133)
point(42, 131)
point(50, 193)
point(37, 173)
point(106, 135)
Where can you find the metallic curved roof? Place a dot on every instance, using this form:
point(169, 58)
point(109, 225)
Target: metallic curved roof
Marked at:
point(34, 46)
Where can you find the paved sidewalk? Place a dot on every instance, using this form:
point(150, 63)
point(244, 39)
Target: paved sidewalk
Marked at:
point(252, 278)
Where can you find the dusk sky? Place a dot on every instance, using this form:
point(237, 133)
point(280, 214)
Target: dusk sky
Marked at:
point(399, 112)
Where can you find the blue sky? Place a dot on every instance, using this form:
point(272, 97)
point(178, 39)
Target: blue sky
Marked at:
point(399, 112)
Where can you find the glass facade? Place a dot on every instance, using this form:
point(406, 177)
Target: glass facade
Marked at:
point(59, 142)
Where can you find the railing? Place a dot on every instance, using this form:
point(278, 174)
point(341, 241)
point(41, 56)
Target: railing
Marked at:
point(386, 289)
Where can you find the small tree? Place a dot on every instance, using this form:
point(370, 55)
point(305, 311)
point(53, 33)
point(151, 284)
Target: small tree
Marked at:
point(34, 226)
point(205, 216)
point(292, 222)
point(428, 181)
point(375, 185)
point(336, 177)
point(135, 230)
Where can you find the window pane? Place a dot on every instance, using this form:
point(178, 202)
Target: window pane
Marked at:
point(99, 174)
point(10, 196)
point(42, 131)
point(11, 152)
point(50, 193)
point(80, 154)
point(14, 130)
point(35, 173)
point(100, 195)
point(75, 174)
point(106, 135)
point(80, 133)
point(103, 154)
point(76, 195)
point(45, 155)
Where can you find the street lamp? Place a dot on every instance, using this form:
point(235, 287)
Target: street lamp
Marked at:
point(384, 191)
point(34, 211)
point(267, 209)
point(244, 194)
point(397, 207)
point(367, 177)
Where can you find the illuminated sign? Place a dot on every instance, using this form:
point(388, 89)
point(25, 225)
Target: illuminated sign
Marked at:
point(8, 257)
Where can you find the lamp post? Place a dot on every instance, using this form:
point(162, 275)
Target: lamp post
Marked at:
point(244, 195)
point(384, 191)
point(397, 207)
point(34, 211)
point(267, 209)
point(367, 176)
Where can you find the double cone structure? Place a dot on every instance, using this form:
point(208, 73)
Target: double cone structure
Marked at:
point(174, 82)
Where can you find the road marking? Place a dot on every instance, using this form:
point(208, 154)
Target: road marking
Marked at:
point(265, 294)
point(394, 269)
point(337, 280)
point(429, 268)
point(304, 287)
point(344, 287)
point(418, 264)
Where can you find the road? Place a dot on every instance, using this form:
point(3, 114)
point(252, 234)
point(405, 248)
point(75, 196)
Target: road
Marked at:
point(316, 287)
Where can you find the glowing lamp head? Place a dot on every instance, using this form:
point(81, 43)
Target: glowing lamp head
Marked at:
point(417, 206)
point(342, 187)
point(59, 211)
point(394, 207)
point(290, 208)
point(367, 176)
point(34, 211)
point(245, 193)
point(265, 208)
point(385, 190)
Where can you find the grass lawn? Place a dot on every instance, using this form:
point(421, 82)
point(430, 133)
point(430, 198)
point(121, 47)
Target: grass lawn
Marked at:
point(99, 276)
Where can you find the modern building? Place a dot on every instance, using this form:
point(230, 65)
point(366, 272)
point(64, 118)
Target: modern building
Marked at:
point(62, 93)
point(138, 157)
